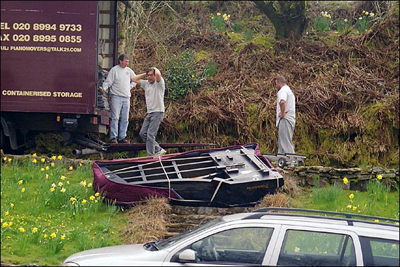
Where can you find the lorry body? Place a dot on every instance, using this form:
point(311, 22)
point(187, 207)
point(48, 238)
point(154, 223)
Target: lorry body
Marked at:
point(50, 64)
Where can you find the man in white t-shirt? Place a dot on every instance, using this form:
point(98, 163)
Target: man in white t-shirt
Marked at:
point(118, 84)
point(154, 88)
point(285, 116)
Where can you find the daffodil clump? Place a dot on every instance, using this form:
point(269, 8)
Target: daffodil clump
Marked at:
point(364, 20)
point(219, 22)
point(45, 211)
point(324, 22)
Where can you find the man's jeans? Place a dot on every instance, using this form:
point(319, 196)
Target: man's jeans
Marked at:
point(119, 105)
point(149, 131)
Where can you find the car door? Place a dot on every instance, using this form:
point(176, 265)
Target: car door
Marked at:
point(241, 244)
point(316, 246)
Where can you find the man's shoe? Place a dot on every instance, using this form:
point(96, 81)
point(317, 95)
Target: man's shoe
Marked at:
point(123, 141)
point(161, 152)
point(113, 141)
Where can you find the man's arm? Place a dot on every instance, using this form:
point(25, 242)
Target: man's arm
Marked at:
point(137, 78)
point(282, 104)
point(108, 82)
point(158, 74)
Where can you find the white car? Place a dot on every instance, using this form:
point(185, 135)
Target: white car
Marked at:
point(263, 238)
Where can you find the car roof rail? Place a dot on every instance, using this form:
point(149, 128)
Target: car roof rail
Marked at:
point(349, 216)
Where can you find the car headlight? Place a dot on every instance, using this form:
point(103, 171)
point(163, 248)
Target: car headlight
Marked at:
point(70, 263)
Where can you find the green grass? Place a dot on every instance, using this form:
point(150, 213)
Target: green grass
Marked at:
point(363, 202)
point(63, 226)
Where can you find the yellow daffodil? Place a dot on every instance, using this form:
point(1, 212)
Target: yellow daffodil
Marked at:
point(363, 11)
point(91, 198)
point(360, 18)
point(83, 183)
point(20, 181)
point(218, 14)
point(95, 201)
point(354, 207)
point(59, 157)
point(5, 158)
point(67, 182)
point(62, 237)
point(296, 249)
point(4, 225)
point(53, 185)
point(345, 20)
point(21, 229)
point(331, 22)
point(397, 223)
point(89, 185)
point(348, 206)
point(10, 223)
point(371, 14)
point(42, 159)
point(97, 194)
point(366, 13)
point(34, 230)
point(34, 155)
point(7, 213)
point(11, 205)
point(52, 164)
point(72, 199)
point(80, 164)
point(23, 189)
point(34, 161)
point(351, 196)
point(62, 190)
point(53, 235)
point(379, 177)
point(52, 189)
point(70, 168)
point(9, 160)
point(47, 168)
point(44, 236)
point(60, 184)
point(62, 177)
point(84, 201)
point(42, 169)
point(53, 157)
point(345, 180)
point(376, 220)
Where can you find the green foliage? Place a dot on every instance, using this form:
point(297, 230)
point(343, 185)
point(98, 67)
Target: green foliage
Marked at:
point(362, 24)
point(210, 69)
point(322, 24)
point(248, 33)
point(217, 23)
point(237, 27)
point(182, 75)
point(329, 194)
point(343, 26)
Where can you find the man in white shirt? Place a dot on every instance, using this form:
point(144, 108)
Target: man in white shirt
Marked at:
point(154, 88)
point(118, 84)
point(285, 116)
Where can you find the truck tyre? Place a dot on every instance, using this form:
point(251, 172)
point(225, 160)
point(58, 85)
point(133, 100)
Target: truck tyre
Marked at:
point(281, 162)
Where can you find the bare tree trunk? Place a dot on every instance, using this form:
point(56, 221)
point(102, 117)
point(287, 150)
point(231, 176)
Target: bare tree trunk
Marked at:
point(288, 17)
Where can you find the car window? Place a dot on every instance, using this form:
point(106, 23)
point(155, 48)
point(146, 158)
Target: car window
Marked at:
point(177, 238)
point(380, 252)
point(239, 246)
point(317, 249)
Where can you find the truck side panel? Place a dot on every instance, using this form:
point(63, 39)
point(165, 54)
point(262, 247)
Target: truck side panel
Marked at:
point(48, 56)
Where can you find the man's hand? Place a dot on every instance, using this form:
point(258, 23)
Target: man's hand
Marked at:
point(101, 90)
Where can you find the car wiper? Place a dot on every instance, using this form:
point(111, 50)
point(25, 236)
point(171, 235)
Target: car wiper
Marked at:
point(151, 246)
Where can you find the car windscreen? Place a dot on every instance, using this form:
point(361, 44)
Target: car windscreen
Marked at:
point(182, 236)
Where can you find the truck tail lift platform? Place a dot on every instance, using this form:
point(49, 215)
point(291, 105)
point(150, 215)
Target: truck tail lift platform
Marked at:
point(97, 146)
point(286, 159)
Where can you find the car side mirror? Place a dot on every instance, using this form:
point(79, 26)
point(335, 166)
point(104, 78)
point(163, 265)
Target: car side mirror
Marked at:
point(188, 255)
